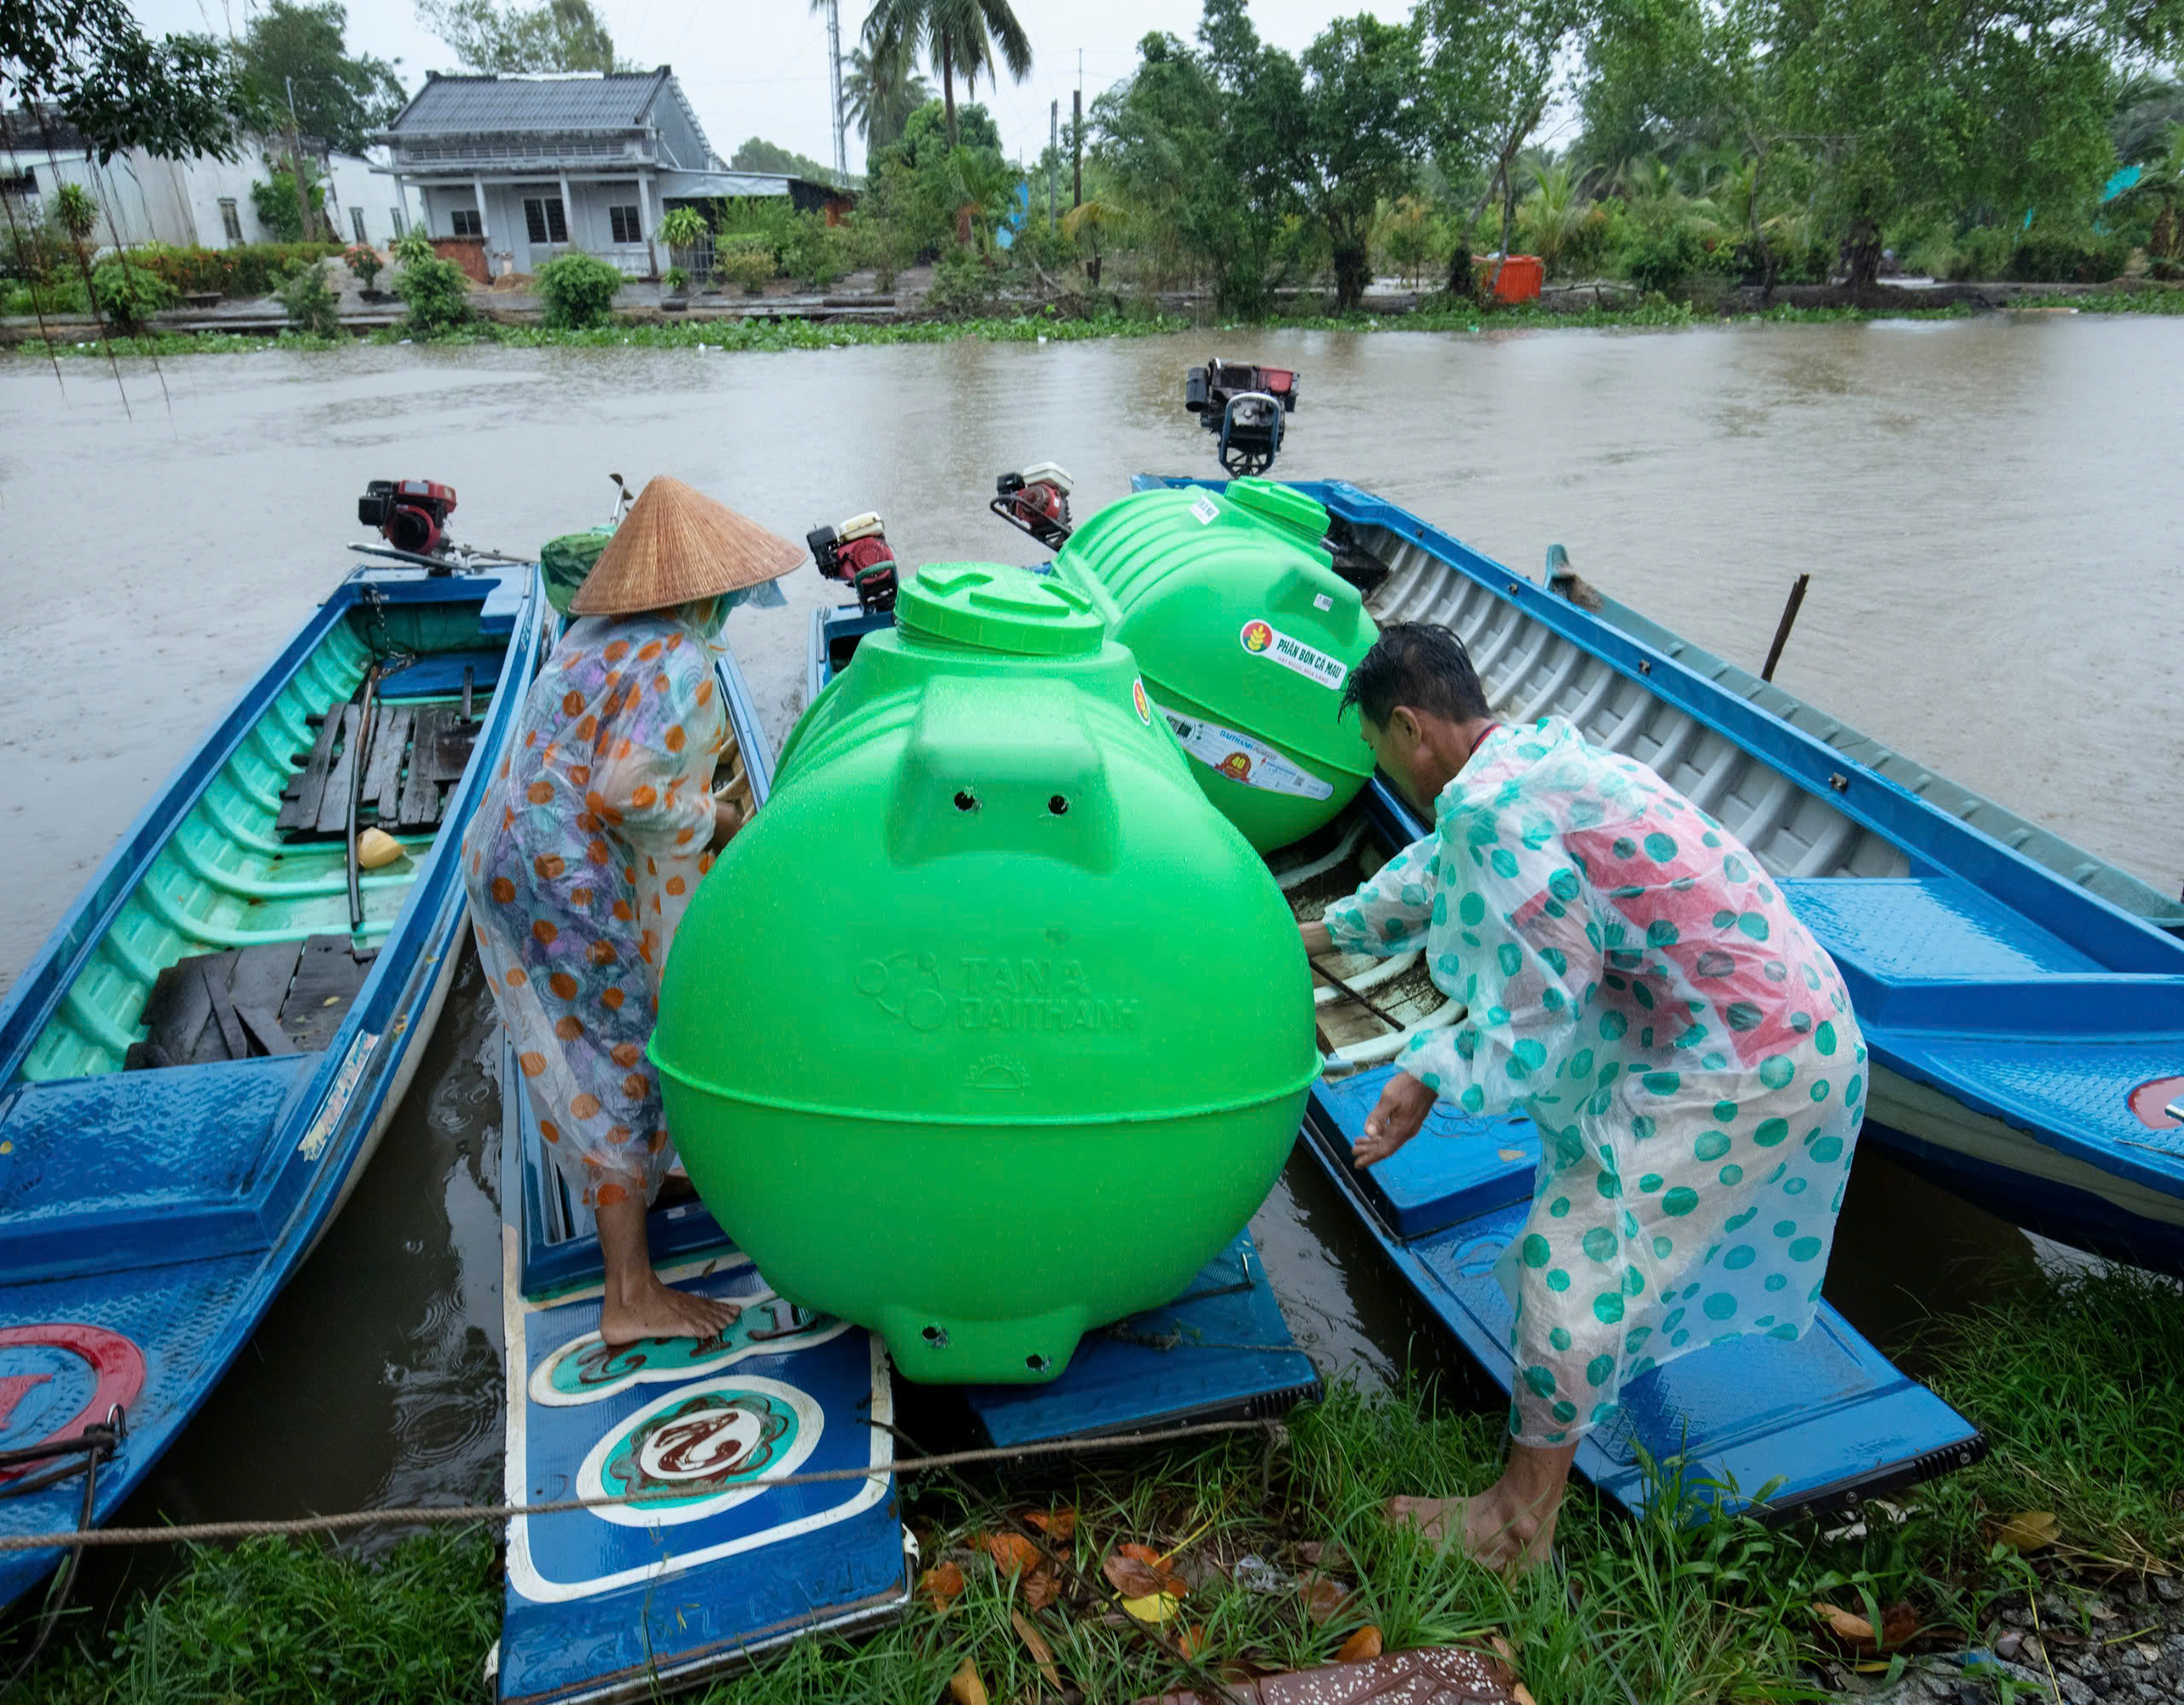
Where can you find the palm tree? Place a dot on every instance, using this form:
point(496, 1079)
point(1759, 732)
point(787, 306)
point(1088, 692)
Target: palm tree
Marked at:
point(974, 37)
point(881, 89)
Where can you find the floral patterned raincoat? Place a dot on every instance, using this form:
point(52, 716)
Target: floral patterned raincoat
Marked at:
point(580, 861)
point(1638, 986)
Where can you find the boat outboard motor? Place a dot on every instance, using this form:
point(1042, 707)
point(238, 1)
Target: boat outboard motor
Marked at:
point(1244, 406)
point(855, 552)
point(410, 515)
point(1036, 499)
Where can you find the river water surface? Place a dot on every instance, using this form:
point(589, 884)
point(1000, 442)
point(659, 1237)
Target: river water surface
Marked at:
point(1987, 508)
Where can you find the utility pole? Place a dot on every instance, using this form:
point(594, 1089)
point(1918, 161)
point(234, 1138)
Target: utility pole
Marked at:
point(1077, 150)
point(1053, 155)
point(296, 162)
point(834, 65)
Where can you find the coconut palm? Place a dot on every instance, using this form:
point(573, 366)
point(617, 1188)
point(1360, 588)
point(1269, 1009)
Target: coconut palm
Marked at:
point(880, 90)
point(974, 37)
point(1554, 214)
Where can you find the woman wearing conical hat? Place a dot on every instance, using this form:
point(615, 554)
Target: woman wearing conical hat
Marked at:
point(585, 851)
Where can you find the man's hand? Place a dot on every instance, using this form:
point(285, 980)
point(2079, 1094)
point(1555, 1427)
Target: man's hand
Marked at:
point(1317, 939)
point(1402, 1109)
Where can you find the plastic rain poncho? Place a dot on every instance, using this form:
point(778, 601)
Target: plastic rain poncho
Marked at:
point(1638, 986)
point(579, 863)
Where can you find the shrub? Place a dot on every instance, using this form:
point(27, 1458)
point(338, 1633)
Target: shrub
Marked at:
point(412, 247)
point(814, 252)
point(74, 211)
point(2070, 257)
point(364, 261)
point(313, 304)
point(128, 293)
point(247, 269)
point(437, 295)
point(1661, 257)
point(747, 259)
point(578, 291)
point(675, 281)
point(964, 287)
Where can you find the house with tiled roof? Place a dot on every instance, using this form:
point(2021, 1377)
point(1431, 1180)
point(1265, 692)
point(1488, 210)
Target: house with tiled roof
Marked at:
point(515, 169)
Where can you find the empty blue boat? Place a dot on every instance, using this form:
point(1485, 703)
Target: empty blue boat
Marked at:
point(2027, 1031)
point(201, 1060)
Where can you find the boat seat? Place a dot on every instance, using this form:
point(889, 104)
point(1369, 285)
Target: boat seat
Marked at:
point(1455, 1168)
point(441, 674)
point(1907, 927)
point(416, 754)
point(282, 998)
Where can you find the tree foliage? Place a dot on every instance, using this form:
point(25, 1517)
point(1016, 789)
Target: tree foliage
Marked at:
point(1363, 127)
point(554, 35)
point(881, 88)
point(757, 154)
point(301, 45)
point(975, 38)
point(90, 63)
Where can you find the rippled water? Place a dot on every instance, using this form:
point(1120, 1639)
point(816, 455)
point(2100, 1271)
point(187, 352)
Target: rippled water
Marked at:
point(1987, 507)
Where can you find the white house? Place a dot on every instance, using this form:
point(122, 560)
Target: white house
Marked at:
point(198, 202)
point(530, 167)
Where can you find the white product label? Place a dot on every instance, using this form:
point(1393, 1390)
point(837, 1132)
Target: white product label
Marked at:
point(1205, 509)
point(1262, 638)
point(1242, 759)
point(1320, 599)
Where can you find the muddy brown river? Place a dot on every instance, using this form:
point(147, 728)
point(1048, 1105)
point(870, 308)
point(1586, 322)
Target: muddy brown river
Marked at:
point(1987, 508)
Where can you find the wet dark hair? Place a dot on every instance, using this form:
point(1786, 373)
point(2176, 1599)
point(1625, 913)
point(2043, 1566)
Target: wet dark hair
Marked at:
point(1418, 665)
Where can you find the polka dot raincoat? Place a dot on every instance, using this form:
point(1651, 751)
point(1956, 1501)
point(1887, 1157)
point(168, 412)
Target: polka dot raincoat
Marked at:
point(1638, 986)
point(579, 864)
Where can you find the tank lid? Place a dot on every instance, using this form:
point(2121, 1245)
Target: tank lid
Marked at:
point(1285, 506)
point(1002, 609)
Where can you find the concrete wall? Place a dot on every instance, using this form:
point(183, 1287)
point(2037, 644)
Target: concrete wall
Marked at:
point(586, 211)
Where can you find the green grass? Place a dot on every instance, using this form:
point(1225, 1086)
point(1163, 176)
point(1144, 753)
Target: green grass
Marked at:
point(2080, 1386)
point(1654, 313)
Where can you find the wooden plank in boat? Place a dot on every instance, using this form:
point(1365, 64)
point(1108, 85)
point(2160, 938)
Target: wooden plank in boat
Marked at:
point(300, 801)
point(439, 748)
point(389, 741)
point(203, 1009)
point(328, 973)
point(333, 802)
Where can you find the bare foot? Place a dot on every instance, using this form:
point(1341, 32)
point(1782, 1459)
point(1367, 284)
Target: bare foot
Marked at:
point(650, 1309)
point(1495, 1533)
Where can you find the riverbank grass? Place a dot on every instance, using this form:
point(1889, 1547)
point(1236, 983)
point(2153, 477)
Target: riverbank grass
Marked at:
point(1655, 312)
point(1284, 1557)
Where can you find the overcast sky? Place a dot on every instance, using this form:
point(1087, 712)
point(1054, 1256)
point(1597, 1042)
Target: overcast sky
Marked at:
point(760, 69)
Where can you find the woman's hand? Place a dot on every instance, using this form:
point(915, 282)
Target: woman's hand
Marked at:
point(728, 817)
point(1402, 1109)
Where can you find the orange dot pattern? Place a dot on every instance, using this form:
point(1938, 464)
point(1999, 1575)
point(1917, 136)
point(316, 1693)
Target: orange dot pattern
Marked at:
point(603, 815)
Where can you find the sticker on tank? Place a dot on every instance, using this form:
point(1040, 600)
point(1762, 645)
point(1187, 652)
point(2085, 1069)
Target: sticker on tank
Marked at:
point(1262, 638)
point(1242, 759)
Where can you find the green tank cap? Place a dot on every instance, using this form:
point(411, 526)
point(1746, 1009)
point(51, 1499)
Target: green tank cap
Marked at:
point(997, 608)
point(1285, 506)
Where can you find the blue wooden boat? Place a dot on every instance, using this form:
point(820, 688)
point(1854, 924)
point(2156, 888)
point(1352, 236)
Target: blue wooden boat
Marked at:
point(201, 1060)
point(2027, 1026)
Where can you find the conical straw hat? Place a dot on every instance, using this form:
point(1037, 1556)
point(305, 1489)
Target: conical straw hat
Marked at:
point(677, 545)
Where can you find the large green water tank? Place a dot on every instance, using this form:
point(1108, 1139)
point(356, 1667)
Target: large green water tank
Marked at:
point(1245, 633)
point(987, 1031)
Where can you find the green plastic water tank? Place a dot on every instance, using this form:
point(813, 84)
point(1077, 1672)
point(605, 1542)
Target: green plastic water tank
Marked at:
point(987, 1031)
point(1246, 635)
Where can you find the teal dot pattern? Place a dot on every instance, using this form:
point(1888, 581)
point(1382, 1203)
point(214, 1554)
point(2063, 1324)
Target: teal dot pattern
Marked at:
point(1637, 985)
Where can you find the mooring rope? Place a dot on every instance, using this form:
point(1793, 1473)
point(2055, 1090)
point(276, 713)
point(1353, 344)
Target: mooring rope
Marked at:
point(422, 1515)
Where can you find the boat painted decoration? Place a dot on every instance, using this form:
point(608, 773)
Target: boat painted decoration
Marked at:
point(2014, 1006)
point(198, 1064)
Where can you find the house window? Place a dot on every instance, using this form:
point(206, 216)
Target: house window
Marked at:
point(18, 183)
point(465, 222)
point(395, 219)
point(230, 220)
point(356, 224)
point(545, 220)
point(627, 229)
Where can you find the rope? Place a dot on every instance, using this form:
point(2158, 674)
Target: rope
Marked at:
point(203, 1532)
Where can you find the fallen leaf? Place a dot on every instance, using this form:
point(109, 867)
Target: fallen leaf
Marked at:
point(1153, 1607)
point(1132, 1577)
point(1848, 1627)
point(1192, 1640)
point(2031, 1530)
point(1521, 1695)
point(1058, 1525)
point(1899, 1623)
point(942, 1583)
point(1325, 1600)
point(1157, 1562)
point(1013, 1553)
point(965, 1688)
point(1041, 1588)
point(1503, 1650)
point(1360, 1645)
point(1036, 1643)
